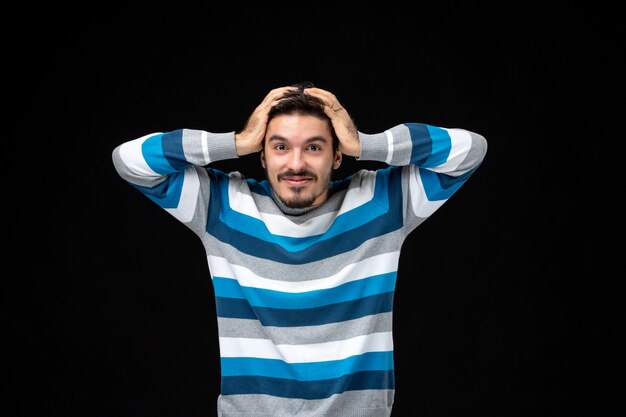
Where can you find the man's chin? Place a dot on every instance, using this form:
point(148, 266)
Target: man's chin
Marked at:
point(297, 202)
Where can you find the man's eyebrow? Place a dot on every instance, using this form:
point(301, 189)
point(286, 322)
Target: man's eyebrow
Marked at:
point(309, 140)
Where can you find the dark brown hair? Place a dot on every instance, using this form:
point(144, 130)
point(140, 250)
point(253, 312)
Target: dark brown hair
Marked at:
point(298, 102)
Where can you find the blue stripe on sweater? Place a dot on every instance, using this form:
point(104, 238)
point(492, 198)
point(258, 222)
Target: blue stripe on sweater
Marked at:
point(308, 390)
point(310, 371)
point(441, 186)
point(431, 145)
point(348, 310)
point(377, 206)
point(152, 151)
point(258, 297)
point(314, 250)
point(164, 152)
point(173, 149)
point(166, 194)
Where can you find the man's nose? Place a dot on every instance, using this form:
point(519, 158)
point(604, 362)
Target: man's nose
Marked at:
point(296, 160)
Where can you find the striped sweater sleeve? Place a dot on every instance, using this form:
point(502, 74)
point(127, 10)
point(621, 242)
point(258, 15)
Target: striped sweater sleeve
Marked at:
point(168, 167)
point(436, 162)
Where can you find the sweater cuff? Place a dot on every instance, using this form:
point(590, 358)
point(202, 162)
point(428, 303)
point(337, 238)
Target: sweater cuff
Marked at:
point(220, 146)
point(374, 147)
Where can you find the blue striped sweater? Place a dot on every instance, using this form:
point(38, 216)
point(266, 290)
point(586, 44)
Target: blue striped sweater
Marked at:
point(304, 303)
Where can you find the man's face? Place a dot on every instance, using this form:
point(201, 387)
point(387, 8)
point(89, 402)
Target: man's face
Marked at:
point(298, 159)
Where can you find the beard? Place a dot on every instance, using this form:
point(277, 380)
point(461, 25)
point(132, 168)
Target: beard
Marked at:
point(298, 200)
point(301, 197)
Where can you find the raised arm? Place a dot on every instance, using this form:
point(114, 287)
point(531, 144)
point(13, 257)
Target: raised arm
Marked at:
point(151, 159)
point(446, 151)
point(434, 161)
point(168, 168)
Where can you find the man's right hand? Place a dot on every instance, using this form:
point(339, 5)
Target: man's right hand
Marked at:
point(250, 138)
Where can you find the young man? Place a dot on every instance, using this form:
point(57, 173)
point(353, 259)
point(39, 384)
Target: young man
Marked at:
point(303, 267)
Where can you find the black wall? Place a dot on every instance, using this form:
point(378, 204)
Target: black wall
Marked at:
point(507, 301)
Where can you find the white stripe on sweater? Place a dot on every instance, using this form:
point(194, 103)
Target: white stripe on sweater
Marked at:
point(205, 147)
point(389, 147)
point(130, 153)
point(422, 206)
point(243, 203)
point(375, 265)
point(234, 347)
point(461, 143)
point(188, 197)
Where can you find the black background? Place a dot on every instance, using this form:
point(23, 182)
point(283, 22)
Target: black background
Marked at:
point(507, 300)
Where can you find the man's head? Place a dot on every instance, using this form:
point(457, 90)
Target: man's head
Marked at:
point(300, 149)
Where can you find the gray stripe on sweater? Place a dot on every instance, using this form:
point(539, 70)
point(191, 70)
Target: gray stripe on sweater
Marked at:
point(220, 146)
point(270, 269)
point(402, 146)
point(362, 403)
point(306, 334)
point(476, 152)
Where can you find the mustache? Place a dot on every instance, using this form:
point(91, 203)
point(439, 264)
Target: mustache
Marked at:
point(292, 173)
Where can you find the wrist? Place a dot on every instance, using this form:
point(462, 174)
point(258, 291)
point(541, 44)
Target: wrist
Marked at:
point(245, 146)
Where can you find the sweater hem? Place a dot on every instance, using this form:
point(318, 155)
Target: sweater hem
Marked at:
point(361, 412)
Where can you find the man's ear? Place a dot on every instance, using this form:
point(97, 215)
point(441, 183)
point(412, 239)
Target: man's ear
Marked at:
point(338, 159)
point(263, 158)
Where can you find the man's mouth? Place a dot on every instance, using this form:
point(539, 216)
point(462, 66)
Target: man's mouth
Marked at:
point(296, 179)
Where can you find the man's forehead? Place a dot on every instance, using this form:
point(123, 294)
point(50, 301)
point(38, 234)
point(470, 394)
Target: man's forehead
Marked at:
point(298, 129)
point(299, 123)
point(306, 140)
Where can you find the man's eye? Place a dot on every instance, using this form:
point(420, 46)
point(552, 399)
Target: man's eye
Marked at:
point(280, 147)
point(314, 148)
